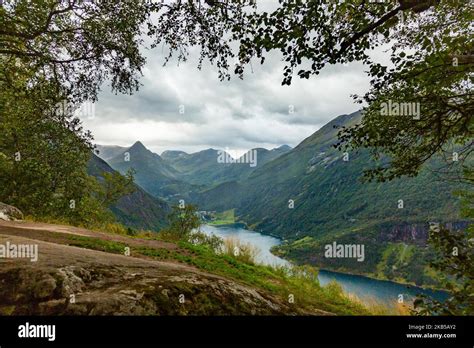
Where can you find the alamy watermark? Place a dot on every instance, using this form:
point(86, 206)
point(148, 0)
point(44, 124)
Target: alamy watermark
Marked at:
point(344, 251)
point(18, 251)
point(37, 331)
point(83, 111)
point(249, 157)
point(392, 108)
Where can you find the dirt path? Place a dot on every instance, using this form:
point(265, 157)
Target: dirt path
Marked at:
point(55, 233)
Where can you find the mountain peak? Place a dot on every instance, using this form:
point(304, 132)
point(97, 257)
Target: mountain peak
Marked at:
point(284, 147)
point(178, 152)
point(171, 155)
point(138, 146)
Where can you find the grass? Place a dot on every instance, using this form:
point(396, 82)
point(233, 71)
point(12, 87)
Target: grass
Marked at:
point(244, 252)
point(298, 284)
point(382, 308)
point(97, 244)
point(225, 218)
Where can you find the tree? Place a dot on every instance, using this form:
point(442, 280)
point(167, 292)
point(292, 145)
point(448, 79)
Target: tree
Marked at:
point(73, 46)
point(44, 155)
point(76, 44)
point(432, 71)
point(80, 44)
point(431, 64)
point(60, 53)
point(44, 151)
point(454, 260)
point(115, 185)
point(54, 55)
point(456, 263)
point(182, 221)
point(431, 53)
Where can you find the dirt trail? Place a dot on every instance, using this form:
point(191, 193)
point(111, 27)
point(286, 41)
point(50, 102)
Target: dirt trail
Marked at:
point(34, 229)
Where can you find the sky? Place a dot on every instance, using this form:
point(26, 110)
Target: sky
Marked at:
point(180, 107)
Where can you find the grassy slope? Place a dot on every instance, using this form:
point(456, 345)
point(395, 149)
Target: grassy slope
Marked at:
point(309, 297)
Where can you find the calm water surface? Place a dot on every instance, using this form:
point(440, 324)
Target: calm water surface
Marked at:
point(363, 287)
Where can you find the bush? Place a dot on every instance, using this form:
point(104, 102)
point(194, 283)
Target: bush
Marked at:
point(212, 241)
point(241, 251)
point(182, 222)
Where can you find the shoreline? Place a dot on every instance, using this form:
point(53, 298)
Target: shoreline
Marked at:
point(368, 276)
point(386, 280)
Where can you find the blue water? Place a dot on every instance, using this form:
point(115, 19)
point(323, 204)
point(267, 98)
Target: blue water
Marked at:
point(261, 241)
point(380, 290)
point(363, 287)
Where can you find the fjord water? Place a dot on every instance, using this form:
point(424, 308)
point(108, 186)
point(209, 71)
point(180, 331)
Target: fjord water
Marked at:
point(363, 287)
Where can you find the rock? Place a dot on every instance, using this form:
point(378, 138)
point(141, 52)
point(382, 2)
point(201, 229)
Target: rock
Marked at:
point(45, 287)
point(415, 233)
point(10, 213)
point(110, 284)
point(72, 283)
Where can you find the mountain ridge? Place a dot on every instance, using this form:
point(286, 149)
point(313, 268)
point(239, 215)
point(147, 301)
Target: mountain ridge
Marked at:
point(176, 174)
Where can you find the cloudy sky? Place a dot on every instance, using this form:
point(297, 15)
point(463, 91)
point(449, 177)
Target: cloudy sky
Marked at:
point(183, 108)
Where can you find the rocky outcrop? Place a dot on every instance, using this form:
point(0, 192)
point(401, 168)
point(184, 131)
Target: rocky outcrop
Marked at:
point(10, 213)
point(67, 280)
point(413, 233)
point(97, 290)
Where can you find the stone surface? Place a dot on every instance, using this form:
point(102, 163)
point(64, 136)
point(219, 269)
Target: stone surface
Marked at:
point(10, 213)
point(67, 280)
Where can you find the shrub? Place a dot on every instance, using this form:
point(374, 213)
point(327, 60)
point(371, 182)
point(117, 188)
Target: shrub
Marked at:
point(241, 251)
point(212, 241)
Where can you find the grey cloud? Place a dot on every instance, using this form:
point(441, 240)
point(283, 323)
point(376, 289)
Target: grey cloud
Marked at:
point(253, 112)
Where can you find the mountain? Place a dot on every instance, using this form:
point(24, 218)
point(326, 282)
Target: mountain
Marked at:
point(139, 209)
point(211, 167)
point(178, 175)
point(106, 152)
point(152, 173)
point(282, 148)
point(331, 203)
point(199, 168)
point(172, 155)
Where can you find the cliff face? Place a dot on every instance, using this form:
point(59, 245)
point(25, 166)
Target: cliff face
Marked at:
point(67, 280)
point(413, 233)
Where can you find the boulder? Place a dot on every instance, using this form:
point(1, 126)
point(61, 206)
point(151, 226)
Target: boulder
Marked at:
point(10, 213)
